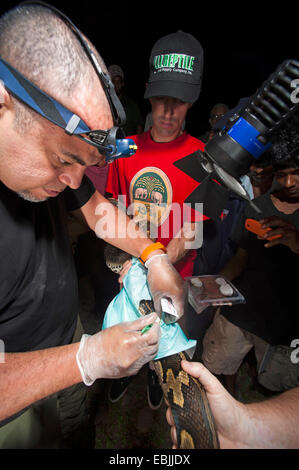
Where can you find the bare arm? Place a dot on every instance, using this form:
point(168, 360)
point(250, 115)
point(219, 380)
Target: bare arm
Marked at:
point(179, 246)
point(116, 352)
point(273, 423)
point(28, 377)
point(113, 225)
point(270, 424)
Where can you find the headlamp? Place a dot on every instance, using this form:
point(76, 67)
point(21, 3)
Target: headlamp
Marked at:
point(111, 143)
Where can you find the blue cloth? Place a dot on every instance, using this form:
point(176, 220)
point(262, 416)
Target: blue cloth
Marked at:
point(124, 307)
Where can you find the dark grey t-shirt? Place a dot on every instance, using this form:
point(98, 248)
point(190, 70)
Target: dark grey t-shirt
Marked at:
point(38, 284)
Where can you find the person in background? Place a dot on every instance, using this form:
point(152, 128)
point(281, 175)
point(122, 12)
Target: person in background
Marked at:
point(262, 270)
point(217, 112)
point(154, 188)
point(135, 123)
point(261, 175)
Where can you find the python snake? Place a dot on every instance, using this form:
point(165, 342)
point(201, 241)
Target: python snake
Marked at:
point(186, 396)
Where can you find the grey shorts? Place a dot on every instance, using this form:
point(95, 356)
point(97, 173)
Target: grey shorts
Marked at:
point(225, 345)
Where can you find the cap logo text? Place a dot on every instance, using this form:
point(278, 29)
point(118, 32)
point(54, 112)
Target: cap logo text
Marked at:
point(172, 61)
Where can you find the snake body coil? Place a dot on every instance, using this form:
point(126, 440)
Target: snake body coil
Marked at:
point(187, 398)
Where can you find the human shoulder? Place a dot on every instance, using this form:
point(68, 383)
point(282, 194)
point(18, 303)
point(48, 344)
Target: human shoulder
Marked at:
point(268, 209)
point(143, 137)
point(264, 203)
point(142, 141)
point(195, 140)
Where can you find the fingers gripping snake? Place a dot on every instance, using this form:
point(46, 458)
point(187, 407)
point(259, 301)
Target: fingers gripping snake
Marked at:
point(186, 396)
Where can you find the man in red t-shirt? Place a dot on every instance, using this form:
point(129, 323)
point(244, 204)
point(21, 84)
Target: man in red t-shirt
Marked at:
point(154, 188)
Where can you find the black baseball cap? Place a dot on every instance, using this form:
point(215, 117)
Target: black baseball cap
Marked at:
point(176, 66)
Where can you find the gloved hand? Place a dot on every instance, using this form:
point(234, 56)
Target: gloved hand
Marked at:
point(164, 281)
point(118, 351)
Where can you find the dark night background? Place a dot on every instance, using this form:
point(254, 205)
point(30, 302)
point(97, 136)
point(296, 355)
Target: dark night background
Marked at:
point(243, 43)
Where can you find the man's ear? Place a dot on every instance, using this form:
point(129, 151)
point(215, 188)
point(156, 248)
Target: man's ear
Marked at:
point(5, 99)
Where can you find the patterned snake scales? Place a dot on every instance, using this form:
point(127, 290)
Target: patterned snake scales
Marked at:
point(186, 396)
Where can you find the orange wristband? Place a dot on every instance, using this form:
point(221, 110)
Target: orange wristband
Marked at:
point(154, 246)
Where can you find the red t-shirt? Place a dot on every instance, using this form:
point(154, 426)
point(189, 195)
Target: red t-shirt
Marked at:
point(157, 188)
point(98, 175)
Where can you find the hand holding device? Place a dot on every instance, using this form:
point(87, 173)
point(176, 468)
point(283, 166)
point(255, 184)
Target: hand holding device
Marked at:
point(255, 226)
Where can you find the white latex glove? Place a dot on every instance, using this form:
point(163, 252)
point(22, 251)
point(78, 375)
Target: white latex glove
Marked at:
point(118, 351)
point(164, 281)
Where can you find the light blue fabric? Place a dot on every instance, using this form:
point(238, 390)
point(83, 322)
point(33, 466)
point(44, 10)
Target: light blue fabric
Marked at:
point(124, 307)
point(245, 181)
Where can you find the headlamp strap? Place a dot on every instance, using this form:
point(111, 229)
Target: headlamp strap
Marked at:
point(39, 101)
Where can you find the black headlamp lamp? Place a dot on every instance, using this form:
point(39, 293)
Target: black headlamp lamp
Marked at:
point(111, 143)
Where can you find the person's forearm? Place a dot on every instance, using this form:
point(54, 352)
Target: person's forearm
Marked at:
point(114, 226)
point(28, 377)
point(179, 246)
point(176, 250)
point(273, 423)
point(122, 232)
